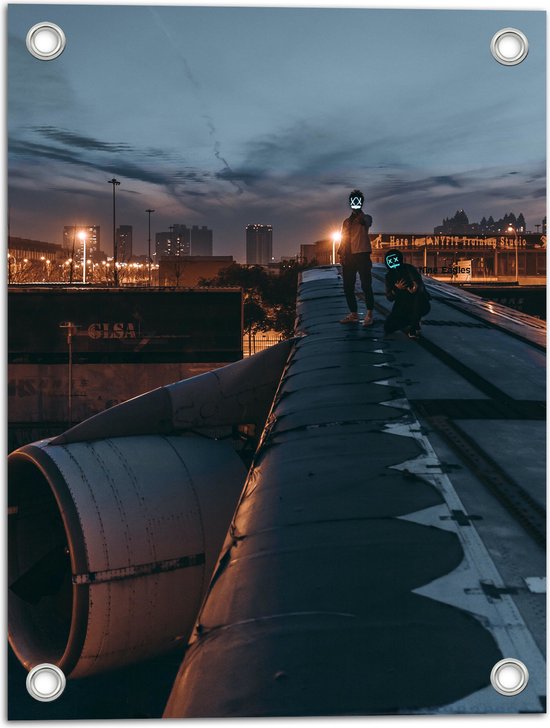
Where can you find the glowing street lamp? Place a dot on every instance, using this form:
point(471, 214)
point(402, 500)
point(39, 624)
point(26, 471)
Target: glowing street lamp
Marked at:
point(115, 183)
point(512, 229)
point(149, 244)
point(336, 238)
point(82, 236)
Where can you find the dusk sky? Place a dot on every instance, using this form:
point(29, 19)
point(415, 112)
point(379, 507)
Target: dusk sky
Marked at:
point(227, 116)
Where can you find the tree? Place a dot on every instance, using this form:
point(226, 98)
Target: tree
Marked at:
point(250, 278)
point(178, 271)
point(269, 300)
point(461, 218)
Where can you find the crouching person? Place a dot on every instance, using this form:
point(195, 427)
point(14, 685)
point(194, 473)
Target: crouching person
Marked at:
point(404, 286)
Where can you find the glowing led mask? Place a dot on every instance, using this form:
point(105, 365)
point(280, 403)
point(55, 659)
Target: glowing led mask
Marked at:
point(392, 261)
point(356, 203)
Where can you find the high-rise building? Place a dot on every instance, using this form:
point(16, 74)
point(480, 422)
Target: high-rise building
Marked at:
point(201, 240)
point(308, 252)
point(176, 242)
point(259, 244)
point(124, 242)
point(73, 243)
point(184, 241)
point(164, 244)
point(182, 236)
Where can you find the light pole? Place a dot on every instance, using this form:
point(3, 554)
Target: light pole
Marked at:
point(71, 331)
point(82, 236)
point(149, 246)
point(512, 229)
point(115, 183)
point(336, 238)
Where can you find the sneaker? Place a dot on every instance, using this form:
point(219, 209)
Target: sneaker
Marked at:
point(413, 334)
point(369, 319)
point(351, 318)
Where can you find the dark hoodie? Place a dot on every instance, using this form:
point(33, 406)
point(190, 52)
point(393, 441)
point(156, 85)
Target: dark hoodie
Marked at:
point(403, 272)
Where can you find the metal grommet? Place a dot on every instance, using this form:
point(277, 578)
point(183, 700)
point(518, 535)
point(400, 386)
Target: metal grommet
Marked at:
point(46, 41)
point(509, 46)
point(45, 682)
point(509, 677)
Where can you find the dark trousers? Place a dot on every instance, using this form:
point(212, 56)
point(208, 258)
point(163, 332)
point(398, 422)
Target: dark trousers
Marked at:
point(407, 312)
point(354, 264)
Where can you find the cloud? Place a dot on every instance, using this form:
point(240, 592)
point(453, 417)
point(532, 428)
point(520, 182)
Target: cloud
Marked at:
point(406, 185)
point(79, 141)
point(36, 90)
point(82, 151)
point(244, 175)
point(122, 168)
point(32, 150)
point(200, 97)
point(445, 180)
point(301, 149)
point(192, 175)
point(112, 158)
point(79, 191)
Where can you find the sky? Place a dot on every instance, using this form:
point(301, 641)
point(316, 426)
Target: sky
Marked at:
point(227, 116)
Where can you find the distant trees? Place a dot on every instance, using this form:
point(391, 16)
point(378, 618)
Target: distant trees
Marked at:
point(460, 225)
point(502, 225)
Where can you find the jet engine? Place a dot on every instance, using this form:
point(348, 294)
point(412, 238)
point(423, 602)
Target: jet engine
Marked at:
point(115, 527)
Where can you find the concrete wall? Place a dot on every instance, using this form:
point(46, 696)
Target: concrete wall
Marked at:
point(38, 402)
point(187, 271)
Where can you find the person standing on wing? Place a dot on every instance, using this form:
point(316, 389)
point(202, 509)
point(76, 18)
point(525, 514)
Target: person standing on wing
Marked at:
point(354, 253)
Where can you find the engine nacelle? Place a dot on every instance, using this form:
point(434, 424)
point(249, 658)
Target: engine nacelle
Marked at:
point(112, 544)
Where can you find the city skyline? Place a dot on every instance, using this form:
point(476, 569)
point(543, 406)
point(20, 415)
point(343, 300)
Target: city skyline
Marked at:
point(375, 99)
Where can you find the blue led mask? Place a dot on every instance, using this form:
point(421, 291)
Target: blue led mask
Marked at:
point(394, 258)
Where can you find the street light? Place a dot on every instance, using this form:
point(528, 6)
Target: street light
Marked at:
point(512, 229)
point(115, 183)
point(82, 236)
point(71, 331)
point(149, 245)
point(336, 238)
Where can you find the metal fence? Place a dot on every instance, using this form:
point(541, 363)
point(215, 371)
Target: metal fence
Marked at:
point(254, 343)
